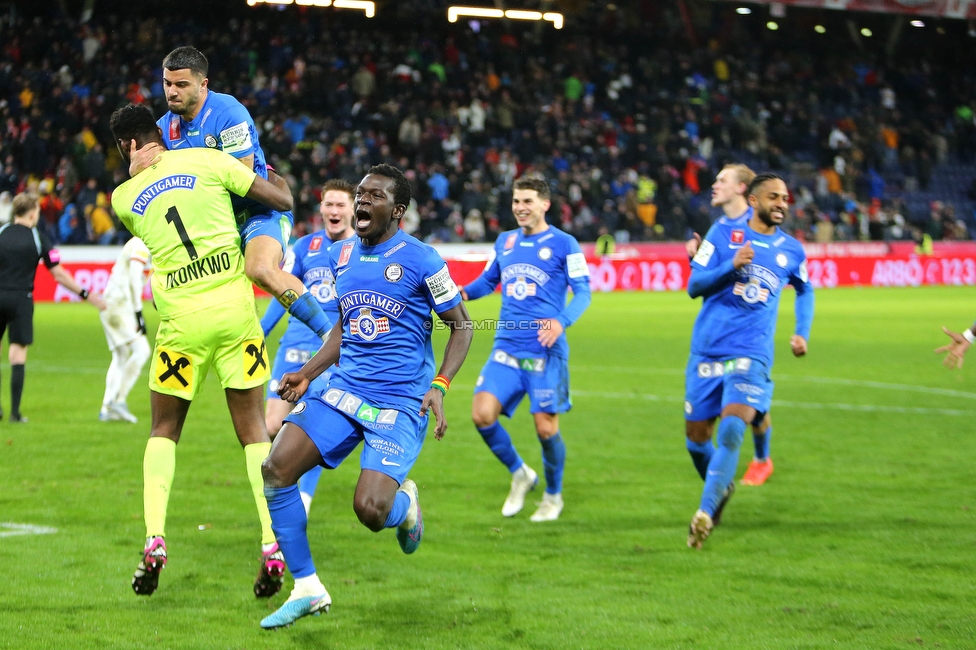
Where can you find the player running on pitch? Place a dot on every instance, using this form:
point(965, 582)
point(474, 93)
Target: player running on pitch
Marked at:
point(740, 271)
point(535, 265)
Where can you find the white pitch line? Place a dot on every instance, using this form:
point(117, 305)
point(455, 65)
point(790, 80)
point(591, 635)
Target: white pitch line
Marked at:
point(839, 381)
point(836, 406)
point(24, 529)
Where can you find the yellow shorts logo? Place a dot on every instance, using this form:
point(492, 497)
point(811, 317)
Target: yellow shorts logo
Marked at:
point(255, 358)
point(174, 370)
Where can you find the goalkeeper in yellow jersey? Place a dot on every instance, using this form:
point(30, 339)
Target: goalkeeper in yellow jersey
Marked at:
point(180, 206)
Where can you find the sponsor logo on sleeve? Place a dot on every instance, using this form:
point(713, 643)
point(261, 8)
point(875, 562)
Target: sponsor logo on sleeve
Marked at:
point(441, 286)
point(236, 138)
point(704, 254)
point(576, 266)
point(345, 253)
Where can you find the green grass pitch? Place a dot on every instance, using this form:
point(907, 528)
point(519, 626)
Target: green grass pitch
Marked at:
point(865, 537)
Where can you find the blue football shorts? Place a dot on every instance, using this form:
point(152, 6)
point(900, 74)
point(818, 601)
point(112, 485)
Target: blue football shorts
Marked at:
point(337, 421)
point(544, 379)
point(711, 384)
point(291, 360)
point(276, 225)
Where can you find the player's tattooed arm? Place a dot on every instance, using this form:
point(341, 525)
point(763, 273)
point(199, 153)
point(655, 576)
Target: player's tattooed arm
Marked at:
point(462, 332)
point(294, 384)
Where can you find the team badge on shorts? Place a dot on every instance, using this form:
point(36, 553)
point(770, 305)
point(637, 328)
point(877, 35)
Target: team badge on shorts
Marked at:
point(393, 272)
point(173, 370)
point(255, 359)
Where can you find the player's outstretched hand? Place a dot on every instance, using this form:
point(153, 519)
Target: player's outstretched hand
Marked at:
point(292, 386)
point(96, 300)
point(434, 400)
point(691, 246)
point(743, 256)
point(799, 345)
point(139, 159)
point(955, 350)
point(550, 330)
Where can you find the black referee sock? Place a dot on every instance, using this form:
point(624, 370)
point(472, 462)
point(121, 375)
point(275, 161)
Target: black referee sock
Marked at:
point(16, 388)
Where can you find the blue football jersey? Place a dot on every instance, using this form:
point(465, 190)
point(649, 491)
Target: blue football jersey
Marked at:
point(740, 221)
point(222, 123)
point(308, 260)
point(739, 311)
point(386, 294)
point(535, 273)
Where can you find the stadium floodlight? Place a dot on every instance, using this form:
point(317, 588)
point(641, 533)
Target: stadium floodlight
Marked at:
point(917, 23)
point(866, 32)
point(743, 11)
point(251, 3)
point(772, 25)
point(313, 3)
point(820, 29)
point(369, 8)
point(453, 13)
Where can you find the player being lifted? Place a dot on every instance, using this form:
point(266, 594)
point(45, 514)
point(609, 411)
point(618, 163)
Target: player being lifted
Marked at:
point(200, 117)
point(535, 265)
point(308, 260)
point(125, 329)
point(180, 206)
point(728, 193)
point(387, 284)
point(740, 270)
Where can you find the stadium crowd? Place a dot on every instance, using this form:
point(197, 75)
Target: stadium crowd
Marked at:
point(630, 125)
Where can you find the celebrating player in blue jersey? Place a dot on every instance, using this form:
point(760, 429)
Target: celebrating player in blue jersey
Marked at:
point(740, 270)
point(387, 283)
point(729, 193)
point(200, 117)
point(308, 261)
point(535, 265)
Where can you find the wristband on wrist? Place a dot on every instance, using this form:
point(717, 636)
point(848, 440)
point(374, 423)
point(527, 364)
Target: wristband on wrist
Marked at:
point(968, 335)
point(83, 294)
point(441, 383)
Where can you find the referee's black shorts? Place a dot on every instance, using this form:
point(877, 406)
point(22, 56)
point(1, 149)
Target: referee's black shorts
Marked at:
point(17, 313)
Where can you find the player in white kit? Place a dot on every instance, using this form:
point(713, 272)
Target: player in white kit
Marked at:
point(125, 329)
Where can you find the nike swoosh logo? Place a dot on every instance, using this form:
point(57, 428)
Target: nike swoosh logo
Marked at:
point(388, 462)
point(341, 271)
point(178, 143)
point(752, 400)
point(545, 403)
point(508, 252)
point(311, 254)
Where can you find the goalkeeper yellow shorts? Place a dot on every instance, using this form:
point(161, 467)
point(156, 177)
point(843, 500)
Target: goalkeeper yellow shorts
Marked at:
point(227, 337)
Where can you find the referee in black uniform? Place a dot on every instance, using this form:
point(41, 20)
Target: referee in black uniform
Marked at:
point(22, 246)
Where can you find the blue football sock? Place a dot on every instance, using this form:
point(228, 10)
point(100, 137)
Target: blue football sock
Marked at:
point(310, 480)
point(553, 462)
point(288, 521)
point(762, 443)
point(721, 469)
point(309, 311)
point(501, 445)
point(401, 504)
point(701, 454)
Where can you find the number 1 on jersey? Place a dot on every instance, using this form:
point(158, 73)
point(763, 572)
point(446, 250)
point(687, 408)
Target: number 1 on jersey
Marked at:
point(173, 217)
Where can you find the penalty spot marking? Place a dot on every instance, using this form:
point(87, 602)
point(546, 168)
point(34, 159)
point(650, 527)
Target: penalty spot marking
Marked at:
point(10, 529)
